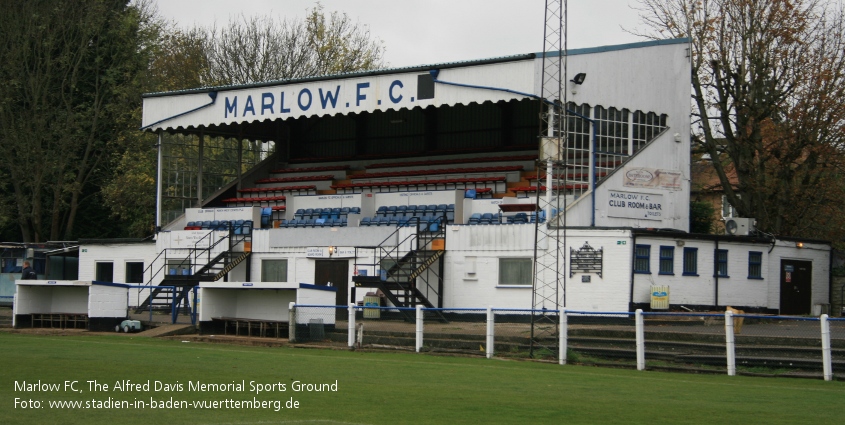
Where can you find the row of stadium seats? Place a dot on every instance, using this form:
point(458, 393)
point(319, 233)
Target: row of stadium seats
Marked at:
point(311, 169)
point(413, 210)
point(427, 223)
point(427, 172)
point(453, 161)
point(497, 182)
point(241, 227)
point(324, 213)
point(308, 189)
point(518, 218)
point(314, 222)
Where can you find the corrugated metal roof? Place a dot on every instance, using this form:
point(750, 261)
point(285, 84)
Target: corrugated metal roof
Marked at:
point(356, 74)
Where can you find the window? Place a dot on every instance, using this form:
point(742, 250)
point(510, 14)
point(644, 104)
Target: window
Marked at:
point(755, 265)
point(134, 272)
point(274, 270)
point(728, 211)
point(515, 271)
point(105, 272)
point(690, 261)
point(642, 253)
point(667, 260)
point(721, 263)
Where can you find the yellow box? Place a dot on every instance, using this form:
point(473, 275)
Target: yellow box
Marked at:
point(438, 244)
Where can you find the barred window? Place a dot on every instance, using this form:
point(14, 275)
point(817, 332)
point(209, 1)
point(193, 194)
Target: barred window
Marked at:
point(642, 253)
point(690, 261)
point(755, 265)
point(721, 263)
point(667, 260)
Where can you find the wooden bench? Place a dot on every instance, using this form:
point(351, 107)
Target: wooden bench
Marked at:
point(60, 320)
point(262, 326)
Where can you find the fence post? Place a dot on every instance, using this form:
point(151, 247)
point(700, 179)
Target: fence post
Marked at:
point(826, 360)
point(730, 346)
point(195, 311)
point(419, 328)
point(562, 337)
point(638, 315)
point(351, 328)
point(173, 306)
point(490, 332)
point(292, 322)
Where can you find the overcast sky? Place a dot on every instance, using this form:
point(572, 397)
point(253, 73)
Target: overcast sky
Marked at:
point(421, 32)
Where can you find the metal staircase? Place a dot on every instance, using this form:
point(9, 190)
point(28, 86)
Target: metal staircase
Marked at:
point(174, 288)
point(403, 266)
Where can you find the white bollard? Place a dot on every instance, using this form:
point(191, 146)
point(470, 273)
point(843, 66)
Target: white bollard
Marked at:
point(640, 339)
point(490, 332)
point(562, 337)
point(419, 328)
point(730, 346)
point(292, 322)
point(351, 328)
point(826, 359)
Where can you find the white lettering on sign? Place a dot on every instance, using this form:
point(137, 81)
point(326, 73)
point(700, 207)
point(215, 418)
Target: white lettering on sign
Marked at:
point(643, 206)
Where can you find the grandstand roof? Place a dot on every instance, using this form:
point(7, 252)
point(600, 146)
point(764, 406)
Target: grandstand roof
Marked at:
point(221, 110)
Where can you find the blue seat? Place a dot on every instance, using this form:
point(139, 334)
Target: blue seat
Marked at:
point(404, 221)
point(475, 218)
point(519, 218)
point(172, 271)
point(309, 213)
point(224, 225)
point(186, 272)
point(355, 210)
point(486, 218)
point(335, 212)
point(469, 193)
point(320, 222)
point(442, 207)
point(238, 226)
point(410, 210)
point(430, 209)
point(365, 221)
point(299, 213)
point(301, 222)
point(391, 211)
point(246, 228)
point(343, 222)
point(344, 211)
point(317, 213)
point(215, 224)
point(450, 207)
point(190, 224)
point(381, 211)
point(400, 210)
point(450, 217)
point(384, 221)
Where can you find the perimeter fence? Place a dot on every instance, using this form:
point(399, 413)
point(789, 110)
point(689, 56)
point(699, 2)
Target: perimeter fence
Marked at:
point(729, 343)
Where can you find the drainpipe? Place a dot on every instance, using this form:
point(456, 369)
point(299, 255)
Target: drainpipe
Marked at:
point(716, 273)
point(633, 259)
point(158, 185)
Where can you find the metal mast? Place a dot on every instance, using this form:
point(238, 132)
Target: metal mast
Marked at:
point(550, 233)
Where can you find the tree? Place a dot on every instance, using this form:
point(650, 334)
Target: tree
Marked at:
point(768, 92)
point(66, 74)
point(246, 50)
point(259, 49)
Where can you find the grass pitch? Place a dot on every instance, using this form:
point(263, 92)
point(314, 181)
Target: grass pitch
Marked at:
point(372, 388)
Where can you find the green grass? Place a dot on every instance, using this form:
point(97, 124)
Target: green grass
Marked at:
point(389, 388)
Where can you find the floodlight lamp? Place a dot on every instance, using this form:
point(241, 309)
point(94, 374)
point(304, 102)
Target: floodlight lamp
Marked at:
point(579, 78)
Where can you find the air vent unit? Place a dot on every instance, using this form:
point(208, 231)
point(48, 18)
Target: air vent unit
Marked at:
point(739, 226)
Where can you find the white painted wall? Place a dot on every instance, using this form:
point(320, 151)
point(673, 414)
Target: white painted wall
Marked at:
point(818, 254)
point(107, 301)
